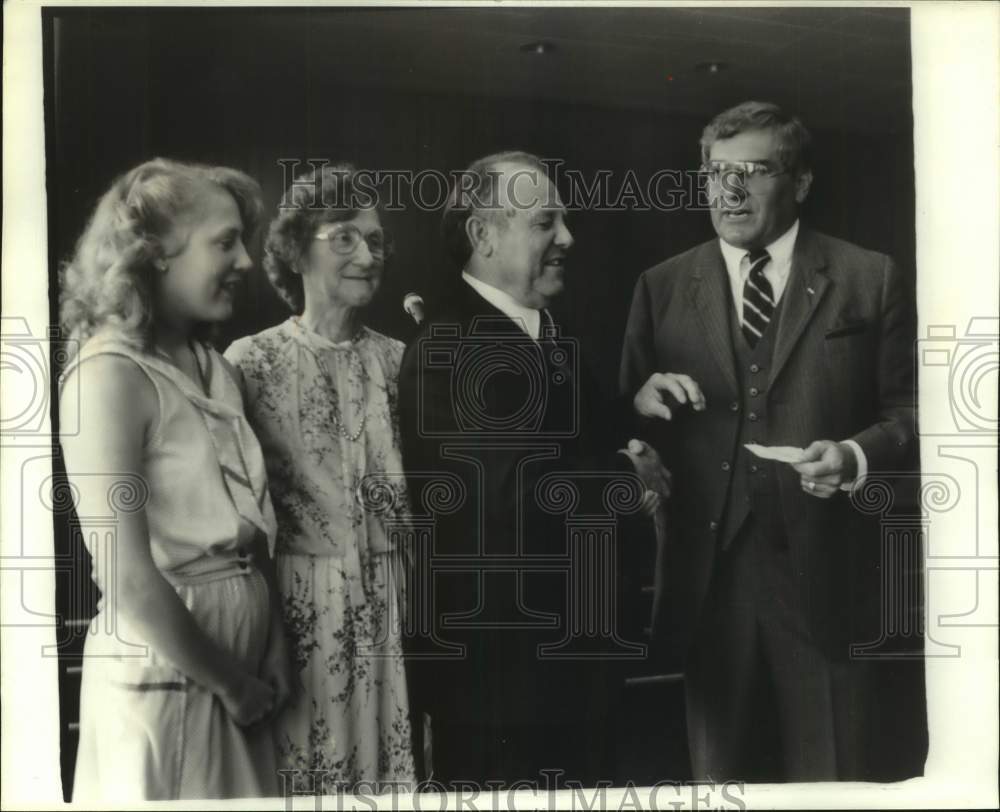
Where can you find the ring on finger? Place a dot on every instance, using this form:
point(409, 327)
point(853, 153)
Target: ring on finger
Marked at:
point(811, 486)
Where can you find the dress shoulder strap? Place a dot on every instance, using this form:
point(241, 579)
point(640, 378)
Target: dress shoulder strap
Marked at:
point(114, 345)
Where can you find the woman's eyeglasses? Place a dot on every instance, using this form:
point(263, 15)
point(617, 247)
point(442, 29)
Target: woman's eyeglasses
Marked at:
point(345, 239)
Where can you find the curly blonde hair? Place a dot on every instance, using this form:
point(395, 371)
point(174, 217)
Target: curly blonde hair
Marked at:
point(108, 283)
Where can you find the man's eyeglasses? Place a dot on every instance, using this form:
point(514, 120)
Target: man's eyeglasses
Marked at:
point(345, 239)
point(716, 171)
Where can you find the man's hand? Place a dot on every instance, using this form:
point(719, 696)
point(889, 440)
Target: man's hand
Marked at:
point(650, 469)
point(648, 401)
point(826, 466)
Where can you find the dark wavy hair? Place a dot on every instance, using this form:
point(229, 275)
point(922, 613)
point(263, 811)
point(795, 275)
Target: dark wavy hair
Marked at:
point(479, 183)
point(793, 138)
point(108, 282)
point(330, 194)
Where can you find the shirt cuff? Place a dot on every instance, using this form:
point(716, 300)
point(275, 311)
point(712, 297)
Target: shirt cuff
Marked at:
point(862, 466)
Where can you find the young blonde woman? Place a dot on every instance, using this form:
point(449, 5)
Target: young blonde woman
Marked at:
point(186, 663)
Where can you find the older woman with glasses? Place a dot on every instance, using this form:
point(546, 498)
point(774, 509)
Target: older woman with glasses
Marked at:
point(321, 396)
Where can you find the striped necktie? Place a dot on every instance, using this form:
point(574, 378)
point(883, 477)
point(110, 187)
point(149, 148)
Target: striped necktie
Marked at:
point(758, 298)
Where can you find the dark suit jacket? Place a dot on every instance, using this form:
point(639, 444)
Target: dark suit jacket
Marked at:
point(482, 402)
point(842, 368)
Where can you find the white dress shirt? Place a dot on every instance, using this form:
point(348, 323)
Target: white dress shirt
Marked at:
point(776, 272)
point(527, 318)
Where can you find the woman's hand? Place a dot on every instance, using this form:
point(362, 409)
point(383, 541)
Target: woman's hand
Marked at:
point(248, 699)
point(277, 668)
point(279, 671)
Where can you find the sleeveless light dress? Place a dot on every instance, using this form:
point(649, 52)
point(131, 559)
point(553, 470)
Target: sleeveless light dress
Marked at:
point(147, 732)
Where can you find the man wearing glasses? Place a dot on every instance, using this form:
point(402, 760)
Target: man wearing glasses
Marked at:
point(773, 335)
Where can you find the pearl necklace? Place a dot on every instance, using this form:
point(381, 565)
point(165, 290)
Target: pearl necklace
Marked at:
point(337, 422)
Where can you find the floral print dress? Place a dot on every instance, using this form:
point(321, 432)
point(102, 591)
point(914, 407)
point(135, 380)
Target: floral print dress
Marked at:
point(325, 414)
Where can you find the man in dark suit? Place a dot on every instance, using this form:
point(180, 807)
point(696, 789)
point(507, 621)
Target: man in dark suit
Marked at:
point(495, 401)
point(773, 335)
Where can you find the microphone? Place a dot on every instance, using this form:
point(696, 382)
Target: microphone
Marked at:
point(413, 304)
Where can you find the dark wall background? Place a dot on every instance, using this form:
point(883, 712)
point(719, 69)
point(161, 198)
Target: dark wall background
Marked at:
point(213, 86)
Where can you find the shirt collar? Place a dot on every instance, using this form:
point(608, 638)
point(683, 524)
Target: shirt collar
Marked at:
point(527, 318)
point(780, 250)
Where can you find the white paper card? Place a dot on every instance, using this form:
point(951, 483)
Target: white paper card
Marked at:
point(779, 453)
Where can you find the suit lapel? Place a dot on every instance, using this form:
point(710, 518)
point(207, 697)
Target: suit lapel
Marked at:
point(807, 284)
point(560, 371)
point(486, 318)
point(711, 297)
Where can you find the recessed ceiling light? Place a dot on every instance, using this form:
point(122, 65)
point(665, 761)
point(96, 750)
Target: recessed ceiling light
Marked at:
point(712, 68)
point(539, 48)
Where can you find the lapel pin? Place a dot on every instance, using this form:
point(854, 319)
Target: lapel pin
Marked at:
point(811, 291)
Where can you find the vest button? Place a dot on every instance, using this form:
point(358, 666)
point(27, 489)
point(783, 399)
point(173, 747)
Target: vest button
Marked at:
point(734, 406)
point(753, 469)
point(754, 391)
point(754, 367)
point(713, 526)
point(725, 466)
point(753, 417)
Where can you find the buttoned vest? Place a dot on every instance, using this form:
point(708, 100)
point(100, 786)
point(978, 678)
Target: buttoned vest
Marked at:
point(753, 488)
